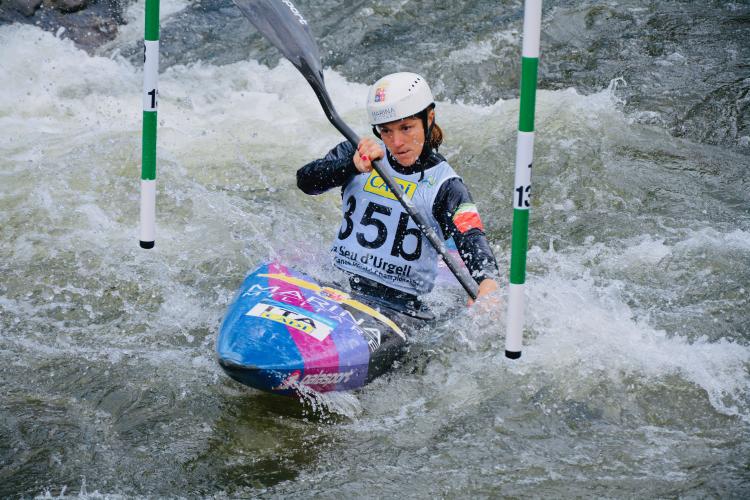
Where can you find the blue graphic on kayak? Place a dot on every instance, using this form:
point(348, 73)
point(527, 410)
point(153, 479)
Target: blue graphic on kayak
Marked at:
point(284, 332)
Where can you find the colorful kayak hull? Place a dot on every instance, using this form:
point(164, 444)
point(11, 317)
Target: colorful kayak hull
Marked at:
point(284, 332)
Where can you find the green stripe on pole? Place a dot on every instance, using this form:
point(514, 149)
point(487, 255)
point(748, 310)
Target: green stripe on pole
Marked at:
point(520, 240)
point(152, 19)
point(148, 157)
point(528, 93)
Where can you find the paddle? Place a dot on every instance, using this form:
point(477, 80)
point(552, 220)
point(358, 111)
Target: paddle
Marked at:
point(285, 27)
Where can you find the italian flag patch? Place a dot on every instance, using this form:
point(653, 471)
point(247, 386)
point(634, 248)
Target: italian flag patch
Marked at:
point(467, 217)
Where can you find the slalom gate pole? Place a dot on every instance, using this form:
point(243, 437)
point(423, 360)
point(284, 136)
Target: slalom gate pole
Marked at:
point(532, 21)
point(150, 102)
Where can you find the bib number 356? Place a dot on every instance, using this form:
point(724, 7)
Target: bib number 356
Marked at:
point(374, 216)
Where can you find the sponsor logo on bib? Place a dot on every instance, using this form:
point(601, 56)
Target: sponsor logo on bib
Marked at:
point(376, 185)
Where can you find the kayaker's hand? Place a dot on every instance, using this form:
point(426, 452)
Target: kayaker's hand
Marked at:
point(367, 151)
point(485, 296)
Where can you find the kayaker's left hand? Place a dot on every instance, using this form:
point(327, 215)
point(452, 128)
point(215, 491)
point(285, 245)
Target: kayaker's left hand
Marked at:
point(486, 287)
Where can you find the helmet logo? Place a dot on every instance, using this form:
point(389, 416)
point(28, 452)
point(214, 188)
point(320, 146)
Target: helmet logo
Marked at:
point(388, 114)
point(380, 94)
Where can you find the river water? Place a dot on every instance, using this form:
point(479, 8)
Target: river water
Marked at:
point(635, 376)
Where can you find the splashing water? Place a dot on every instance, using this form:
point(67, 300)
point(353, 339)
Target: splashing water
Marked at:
point(636, 366)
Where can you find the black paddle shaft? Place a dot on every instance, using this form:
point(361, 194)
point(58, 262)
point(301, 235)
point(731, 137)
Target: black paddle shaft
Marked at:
point(284, 26)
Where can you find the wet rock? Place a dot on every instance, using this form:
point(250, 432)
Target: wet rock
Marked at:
point(69, 5)
point(89, 23)
point(26, 7)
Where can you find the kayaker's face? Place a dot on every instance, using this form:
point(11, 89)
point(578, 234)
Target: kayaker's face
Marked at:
point(404, 139)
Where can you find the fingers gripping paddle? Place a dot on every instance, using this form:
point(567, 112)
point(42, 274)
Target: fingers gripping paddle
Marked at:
point(285, 27)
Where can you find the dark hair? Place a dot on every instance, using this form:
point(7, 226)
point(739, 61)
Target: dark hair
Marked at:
point(436, 136)
point(436, 133)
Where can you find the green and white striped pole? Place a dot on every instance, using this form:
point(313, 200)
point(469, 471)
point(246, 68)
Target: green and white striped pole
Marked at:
point(150, 96)
point(532, 22)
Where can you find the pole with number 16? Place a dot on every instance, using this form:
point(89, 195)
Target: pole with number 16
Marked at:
point(150, 96)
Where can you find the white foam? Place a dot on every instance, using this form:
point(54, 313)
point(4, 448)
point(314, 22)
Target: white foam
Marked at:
point(715, 240)
point(473, 53)
point(647, 251)
point(485, 50)
point(585, 326)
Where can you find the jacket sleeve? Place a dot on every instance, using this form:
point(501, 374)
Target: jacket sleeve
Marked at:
point(335, 169)
point(458, 217)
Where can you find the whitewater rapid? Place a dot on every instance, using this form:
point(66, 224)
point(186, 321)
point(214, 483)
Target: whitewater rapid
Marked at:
point(635, 372)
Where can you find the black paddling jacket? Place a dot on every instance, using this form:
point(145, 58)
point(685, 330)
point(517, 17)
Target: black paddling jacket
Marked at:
point(337, 168)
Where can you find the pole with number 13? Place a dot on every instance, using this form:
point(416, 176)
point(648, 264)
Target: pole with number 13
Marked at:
point(532, 21)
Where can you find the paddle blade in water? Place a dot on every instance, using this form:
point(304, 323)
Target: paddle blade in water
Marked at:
point(285, 27)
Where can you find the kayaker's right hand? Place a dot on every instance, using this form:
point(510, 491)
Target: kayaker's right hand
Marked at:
point(487, 295)
point(367, 151)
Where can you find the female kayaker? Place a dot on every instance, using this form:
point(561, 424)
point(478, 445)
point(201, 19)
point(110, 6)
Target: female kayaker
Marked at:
point(378, 244)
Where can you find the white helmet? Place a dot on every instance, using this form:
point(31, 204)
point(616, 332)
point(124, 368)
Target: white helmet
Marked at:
point(397, 96)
